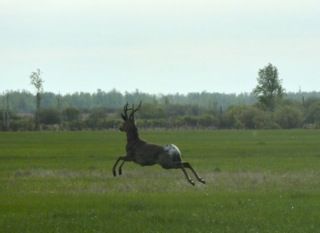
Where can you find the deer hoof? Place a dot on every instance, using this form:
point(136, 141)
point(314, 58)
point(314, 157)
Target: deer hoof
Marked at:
point(202, 181)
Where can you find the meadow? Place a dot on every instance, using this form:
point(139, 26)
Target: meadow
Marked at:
point(257, 181)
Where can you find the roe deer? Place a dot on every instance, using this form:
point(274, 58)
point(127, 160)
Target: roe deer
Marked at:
point(145, 154)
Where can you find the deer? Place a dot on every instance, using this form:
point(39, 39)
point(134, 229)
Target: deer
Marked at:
point(147, 154)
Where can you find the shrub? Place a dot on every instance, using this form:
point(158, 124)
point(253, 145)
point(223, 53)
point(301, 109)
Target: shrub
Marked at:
point(49, 116)
point(313, 113)
point(289, 117)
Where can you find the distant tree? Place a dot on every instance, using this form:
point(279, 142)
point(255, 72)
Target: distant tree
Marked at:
point(269, 89)
point(37, 82)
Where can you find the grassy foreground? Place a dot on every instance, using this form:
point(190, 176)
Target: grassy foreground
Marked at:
point(257, 181)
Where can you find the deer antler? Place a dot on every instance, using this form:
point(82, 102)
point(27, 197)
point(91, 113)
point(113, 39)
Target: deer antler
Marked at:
point(124, 115)
point(134, 110)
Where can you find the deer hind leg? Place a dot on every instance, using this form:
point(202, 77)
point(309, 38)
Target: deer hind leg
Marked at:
point(116, 163)
point(187, 165)
point(120, 168)
point(186, 174)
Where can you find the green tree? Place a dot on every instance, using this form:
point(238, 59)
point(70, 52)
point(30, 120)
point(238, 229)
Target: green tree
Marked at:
point(37, 82)
point(269, 90)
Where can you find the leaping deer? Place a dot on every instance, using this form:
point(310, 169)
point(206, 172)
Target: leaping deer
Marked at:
point(146, 154)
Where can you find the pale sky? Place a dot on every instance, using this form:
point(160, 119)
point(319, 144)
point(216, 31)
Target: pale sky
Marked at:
point(158, 46)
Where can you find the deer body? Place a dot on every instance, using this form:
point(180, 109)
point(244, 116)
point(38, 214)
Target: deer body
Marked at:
point(147, 154)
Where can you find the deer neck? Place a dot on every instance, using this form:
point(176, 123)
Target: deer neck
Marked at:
point(132, 136)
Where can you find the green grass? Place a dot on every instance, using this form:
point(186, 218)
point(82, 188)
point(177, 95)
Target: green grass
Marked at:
point(257, 181)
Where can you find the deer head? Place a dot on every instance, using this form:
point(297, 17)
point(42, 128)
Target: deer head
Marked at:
point(129, 123)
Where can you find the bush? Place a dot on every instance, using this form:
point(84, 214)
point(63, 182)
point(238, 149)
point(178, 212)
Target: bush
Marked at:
point(264, 120)
point(71, 114)
point(49, 116)
point(313, 113)
point(208, 121)
point(248, 117)
point(22, 124)
point(288, 117)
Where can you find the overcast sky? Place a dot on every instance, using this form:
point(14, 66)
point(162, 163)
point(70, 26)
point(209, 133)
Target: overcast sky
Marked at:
point(158, 46)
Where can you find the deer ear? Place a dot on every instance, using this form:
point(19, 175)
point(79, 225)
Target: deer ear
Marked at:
point(123, 117)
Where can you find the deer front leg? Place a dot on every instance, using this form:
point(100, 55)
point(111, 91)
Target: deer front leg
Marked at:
point(187, 165)
point(116, 163)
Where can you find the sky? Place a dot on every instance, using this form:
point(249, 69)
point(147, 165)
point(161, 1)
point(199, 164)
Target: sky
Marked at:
point(158, 46)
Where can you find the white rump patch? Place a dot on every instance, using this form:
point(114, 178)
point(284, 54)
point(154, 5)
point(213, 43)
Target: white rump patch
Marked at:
point(172, 149)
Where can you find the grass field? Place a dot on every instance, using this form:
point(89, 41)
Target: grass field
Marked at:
point(257, 181)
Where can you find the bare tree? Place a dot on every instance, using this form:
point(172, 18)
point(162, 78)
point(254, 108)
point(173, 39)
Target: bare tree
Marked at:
point(37, 82)
point(146, 154)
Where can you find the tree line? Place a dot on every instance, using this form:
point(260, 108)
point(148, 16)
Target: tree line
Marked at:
point(266, 107)
point(24, 101)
